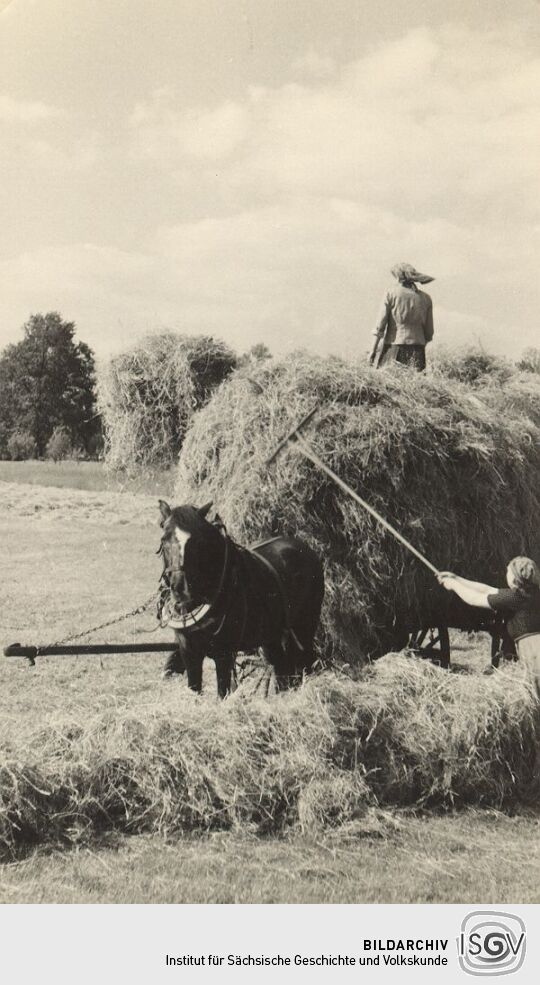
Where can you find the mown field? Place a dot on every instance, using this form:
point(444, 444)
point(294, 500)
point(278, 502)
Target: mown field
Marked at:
point(91, 476)
point(72, 558)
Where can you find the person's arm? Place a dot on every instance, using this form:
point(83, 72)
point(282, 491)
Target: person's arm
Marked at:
point(428, 327)
point(471, 592)
point(381, 327)
point(466, 581)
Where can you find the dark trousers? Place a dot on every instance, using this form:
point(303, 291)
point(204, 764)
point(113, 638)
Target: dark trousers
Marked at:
point(407, 355)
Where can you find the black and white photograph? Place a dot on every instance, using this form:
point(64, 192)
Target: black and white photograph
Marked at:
point(270, 469)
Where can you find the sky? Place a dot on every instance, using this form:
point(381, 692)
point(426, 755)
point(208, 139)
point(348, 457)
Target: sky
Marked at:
point(251, 169)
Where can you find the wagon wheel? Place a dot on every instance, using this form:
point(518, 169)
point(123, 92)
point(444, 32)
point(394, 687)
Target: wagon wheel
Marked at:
point(254, 675)
point(432, 643)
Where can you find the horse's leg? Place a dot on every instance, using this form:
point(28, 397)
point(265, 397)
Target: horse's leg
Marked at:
point(224, 665)
point(306, 658)
point(174, 663)
point(192, 656)
point(277, 656)
point(304, 622)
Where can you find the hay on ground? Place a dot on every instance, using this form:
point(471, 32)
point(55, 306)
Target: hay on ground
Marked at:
point(456, 471)
point(405, 733)
point(148, 394)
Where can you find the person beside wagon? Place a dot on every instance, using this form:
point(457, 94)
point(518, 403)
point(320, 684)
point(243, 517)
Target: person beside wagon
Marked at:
point(519, 604)
point(405, 324)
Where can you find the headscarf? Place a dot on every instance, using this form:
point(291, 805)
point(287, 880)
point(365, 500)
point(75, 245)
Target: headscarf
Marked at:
point(405, 273)
point(524, 573)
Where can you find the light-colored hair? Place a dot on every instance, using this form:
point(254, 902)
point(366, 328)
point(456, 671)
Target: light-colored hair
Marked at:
point(524, 572)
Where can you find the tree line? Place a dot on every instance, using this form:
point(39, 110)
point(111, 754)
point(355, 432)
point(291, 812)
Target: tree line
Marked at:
point(48, 392)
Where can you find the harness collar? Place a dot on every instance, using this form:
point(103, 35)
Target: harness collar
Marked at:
point(167, 612)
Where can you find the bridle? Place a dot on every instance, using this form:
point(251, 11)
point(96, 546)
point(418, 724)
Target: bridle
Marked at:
point(168, 614)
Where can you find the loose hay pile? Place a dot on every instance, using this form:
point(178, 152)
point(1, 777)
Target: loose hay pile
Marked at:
point(406, 733)
point(458, 472)
point(148, 394)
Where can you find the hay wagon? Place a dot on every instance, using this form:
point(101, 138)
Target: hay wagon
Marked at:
point(433, 642)
point(432, 639)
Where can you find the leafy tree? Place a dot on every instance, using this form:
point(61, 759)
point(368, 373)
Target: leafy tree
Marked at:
point(21, 446)
point(530, 361)
point(46, 381)
point(59, 445)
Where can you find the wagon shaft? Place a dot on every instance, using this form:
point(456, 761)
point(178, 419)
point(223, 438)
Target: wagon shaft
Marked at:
point(31, 652)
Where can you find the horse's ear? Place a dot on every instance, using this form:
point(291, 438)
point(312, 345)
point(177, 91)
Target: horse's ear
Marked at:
point(204, 510)
point(165, 511)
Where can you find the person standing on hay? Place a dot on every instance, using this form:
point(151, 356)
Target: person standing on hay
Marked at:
point(405, 324)
point(519, 603)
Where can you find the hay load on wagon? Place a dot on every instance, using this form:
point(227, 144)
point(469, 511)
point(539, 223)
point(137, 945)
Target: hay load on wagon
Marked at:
point(457, 472)
point(148, 394)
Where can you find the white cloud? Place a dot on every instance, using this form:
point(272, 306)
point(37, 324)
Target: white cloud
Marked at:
point(413, 126)
point(437, 121)
point(425, 149)
point(314, 65)
point(24, 111)
point(39, 139)
point(162, 131)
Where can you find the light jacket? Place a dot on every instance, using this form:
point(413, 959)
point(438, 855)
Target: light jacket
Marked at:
point(406, 317)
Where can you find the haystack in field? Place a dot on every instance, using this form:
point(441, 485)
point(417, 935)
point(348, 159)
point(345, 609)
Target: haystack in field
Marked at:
point(456, 471)
point(148, 394)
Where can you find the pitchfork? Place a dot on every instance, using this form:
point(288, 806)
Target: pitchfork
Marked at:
point(296, 438)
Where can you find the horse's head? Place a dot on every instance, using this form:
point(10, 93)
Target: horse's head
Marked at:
point(193, 551)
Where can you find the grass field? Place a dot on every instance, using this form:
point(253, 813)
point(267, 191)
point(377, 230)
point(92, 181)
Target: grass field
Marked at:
point(461, 858)
point(90, 476)
point(71, 559)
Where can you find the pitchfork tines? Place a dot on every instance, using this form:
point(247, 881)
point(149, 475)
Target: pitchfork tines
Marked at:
point(292, 435)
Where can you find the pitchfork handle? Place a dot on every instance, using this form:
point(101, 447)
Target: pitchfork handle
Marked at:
point(307, 451)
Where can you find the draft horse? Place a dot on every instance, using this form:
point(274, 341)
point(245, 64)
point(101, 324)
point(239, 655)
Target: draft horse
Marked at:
point(223, 598)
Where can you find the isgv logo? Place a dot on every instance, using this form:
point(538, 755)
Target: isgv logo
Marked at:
point(491, 943)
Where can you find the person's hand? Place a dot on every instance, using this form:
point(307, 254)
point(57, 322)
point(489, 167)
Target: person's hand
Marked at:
point(445, 578)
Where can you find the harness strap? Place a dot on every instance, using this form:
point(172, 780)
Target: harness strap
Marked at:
point(254, 551)
point(206, 611)
point(263, 543)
